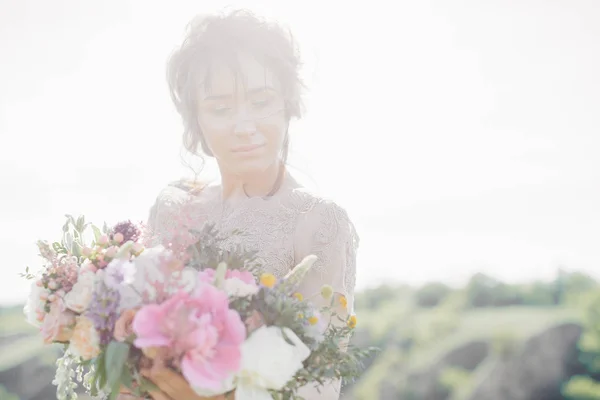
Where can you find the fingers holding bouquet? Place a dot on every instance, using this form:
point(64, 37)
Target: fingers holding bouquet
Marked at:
point(173, 386)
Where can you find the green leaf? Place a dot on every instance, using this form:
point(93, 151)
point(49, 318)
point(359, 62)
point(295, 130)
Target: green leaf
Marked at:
point(68, 240)
point(59, 248)
point(127, 378)
point(99, 380)
point(79, 224)
point(77, 249)
point(116, 356)
point(97, 232)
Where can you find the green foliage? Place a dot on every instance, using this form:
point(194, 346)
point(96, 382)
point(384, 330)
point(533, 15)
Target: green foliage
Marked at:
point(384, 367)
point(454, 378)
point(589, 343)
point(505, 344)
point(6, 395)
point(373, 298)
point(576, 288)
point(485, 291)
point(115, 367)
point(584, 387)
point(539, 294)
point(581, 387)
point(432, 294)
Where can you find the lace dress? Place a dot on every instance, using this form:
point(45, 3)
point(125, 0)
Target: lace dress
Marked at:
point(282, 229)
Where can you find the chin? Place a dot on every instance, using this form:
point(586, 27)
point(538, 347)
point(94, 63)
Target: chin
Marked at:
point(251, 167)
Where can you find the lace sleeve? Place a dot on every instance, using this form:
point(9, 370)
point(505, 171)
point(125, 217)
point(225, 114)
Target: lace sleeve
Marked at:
point(168, 216)
point(326, 231)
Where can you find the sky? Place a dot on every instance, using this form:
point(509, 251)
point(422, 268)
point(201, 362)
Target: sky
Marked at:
point(461, 136)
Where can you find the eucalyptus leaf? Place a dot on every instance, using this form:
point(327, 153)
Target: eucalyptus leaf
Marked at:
point(97, 232)
point(116, 356)
point(100, 377)
point(127, 378)
point(68, 239)
point(77, 249)
point(79, 224)
point(59, 248)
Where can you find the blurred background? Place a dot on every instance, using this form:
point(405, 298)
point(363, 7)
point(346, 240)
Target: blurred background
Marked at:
point(462, 137)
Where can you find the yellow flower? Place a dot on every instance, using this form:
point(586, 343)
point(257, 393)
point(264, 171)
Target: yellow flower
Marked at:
point(352, 321)
point(326, 291)
point(344, 301)
point(300, 316)
point(313, 320)
point(299, 296)
point(268, 280)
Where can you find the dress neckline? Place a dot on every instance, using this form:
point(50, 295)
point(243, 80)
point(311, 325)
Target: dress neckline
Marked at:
point(215, 196)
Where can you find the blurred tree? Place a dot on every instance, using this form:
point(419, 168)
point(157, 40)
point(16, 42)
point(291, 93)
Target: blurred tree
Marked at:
point(432, 294)
point(485, 291)
point(587, 387)
point(375, 297)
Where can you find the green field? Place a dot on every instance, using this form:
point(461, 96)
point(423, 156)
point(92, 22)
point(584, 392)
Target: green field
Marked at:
point(413, 332)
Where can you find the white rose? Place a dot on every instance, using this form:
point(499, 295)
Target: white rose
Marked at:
point(268, 362)
point(235, 287)
point(80, 296)
point(119, 272)
point(35, 303)
point(139, 275)
point(189, 277)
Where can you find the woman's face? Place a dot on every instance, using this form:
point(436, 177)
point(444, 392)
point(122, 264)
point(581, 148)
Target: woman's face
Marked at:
point(243, 117)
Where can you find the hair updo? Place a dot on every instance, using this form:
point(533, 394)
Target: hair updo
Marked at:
point(223, 37)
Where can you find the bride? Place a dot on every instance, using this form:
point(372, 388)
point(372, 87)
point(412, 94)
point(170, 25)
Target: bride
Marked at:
point(235, 83)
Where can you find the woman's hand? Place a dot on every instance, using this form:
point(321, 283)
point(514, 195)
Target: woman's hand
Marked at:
point(173, 386)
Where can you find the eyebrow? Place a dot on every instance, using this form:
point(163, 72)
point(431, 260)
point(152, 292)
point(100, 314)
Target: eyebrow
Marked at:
point(248, 92)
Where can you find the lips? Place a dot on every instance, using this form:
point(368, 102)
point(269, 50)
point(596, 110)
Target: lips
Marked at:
point(247, 148)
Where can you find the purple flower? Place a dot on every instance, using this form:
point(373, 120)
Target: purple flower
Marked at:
point(128, 229)
point(103, 311)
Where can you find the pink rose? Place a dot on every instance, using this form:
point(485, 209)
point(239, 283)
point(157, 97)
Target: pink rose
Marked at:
point(123, 326)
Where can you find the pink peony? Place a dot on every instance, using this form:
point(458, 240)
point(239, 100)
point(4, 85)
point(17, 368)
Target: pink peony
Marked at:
point(202, 334)
point(58, 323)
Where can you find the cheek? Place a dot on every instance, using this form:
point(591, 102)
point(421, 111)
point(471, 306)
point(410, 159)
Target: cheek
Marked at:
point(274, 132)
point(217, 140)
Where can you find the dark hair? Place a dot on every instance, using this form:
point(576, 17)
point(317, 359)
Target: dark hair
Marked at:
point(223, 37)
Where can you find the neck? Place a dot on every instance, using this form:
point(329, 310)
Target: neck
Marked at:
point(259, 184)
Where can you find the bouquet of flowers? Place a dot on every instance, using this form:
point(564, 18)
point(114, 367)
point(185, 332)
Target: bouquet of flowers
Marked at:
point(122, 307)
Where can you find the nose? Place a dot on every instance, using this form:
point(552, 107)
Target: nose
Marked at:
point(244, 124)
point(247, 127)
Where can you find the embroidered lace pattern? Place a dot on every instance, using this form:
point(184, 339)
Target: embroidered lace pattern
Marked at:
point(283, 229)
